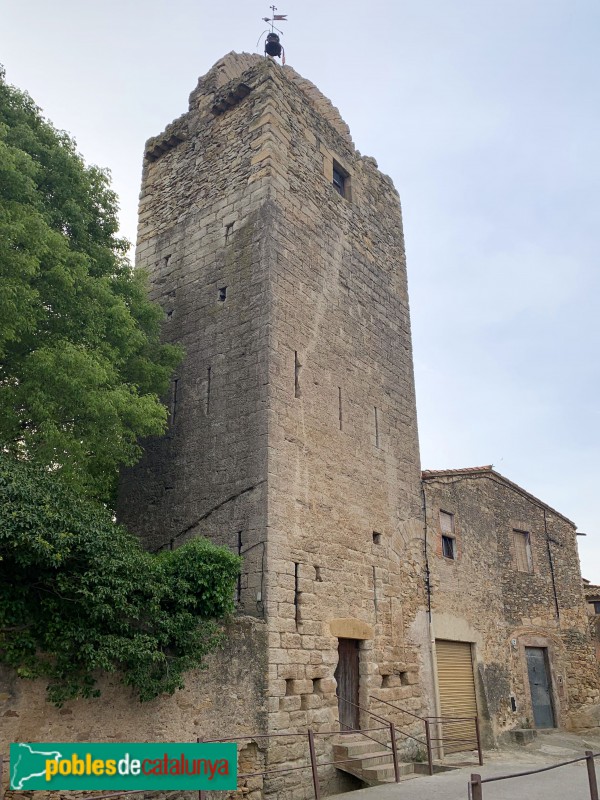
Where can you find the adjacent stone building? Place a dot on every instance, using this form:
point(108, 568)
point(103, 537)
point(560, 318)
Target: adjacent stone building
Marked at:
point(505, 588)
point(592, 596)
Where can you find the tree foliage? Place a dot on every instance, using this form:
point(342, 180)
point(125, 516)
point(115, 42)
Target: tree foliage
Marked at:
point(78, 594)
point(81, 366)
point(81, 372)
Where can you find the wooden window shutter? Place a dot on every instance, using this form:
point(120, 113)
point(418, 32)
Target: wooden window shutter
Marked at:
point(522, 551)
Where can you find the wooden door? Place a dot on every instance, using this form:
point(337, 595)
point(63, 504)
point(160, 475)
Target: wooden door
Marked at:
point(346, 676)
point(539, 685)
point(457, 695)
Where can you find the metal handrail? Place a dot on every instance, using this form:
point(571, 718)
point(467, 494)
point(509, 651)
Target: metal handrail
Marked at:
point(403, 710)
point(428, 721)
point(366, 711)
point(387, 722)
point(475, 784)
point(363, 733)
point(425, 722)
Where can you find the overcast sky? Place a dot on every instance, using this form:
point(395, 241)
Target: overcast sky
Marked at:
point(485, 114)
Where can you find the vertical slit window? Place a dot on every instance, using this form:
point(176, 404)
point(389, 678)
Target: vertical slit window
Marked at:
point(174, 400)
point(208, 387)
point(296, 593)
point(297, 368)
point(239, 579)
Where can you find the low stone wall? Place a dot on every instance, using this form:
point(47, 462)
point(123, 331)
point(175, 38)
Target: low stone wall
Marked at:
point(226, 699)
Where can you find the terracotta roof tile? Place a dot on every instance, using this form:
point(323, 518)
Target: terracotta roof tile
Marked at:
point(463, 471)
point(489, 470)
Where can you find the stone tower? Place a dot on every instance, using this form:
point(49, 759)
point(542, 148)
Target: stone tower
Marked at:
point(277, 254)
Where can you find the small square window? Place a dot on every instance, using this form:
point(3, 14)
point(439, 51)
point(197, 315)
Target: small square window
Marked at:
point(448, 547)
point(522, 548)
point(376, 537)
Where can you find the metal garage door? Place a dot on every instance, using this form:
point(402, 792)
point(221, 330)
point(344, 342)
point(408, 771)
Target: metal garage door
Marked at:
point(457, 694)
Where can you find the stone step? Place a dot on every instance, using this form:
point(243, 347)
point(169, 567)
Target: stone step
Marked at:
point(359, 747)
point(375, 775)
point(374, 771)
point(368, 758)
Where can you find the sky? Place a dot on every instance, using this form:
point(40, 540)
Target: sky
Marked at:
point(486, 116)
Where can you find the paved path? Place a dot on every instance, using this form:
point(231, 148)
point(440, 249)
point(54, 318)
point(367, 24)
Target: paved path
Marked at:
point(565, 783)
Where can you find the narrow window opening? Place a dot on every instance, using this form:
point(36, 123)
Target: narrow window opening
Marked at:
point(222, 294)
point(166, 260)
point(228, 230)
point(596, 605)
point(318, 577)
point(522, 546)
point(376, 427)
point(296, 593)
point(208, 381)
point(289, 687)
point(339, 179)
point(513, 703)
point(448, 537)
point(297, 368)
point(448, 550)
point(238, 593)
point(375, 602)
point(404, 678)
point(385, 681)
point(376, 537)
point(317, 686)
point(174, 400)
point(340, 407)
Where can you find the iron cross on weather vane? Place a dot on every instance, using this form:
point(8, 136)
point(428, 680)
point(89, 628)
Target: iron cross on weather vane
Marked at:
point(273, 46)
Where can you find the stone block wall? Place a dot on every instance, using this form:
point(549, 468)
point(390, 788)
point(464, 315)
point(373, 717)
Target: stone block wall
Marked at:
point(302, 439)
point(204, 238)
point(227, 698)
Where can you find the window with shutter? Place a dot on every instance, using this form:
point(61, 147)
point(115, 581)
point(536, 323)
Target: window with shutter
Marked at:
point(522, 548)
point(448, 537)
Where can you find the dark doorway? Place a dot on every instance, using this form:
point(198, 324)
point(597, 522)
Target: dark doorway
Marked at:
point(539, 684)
point(346, 676)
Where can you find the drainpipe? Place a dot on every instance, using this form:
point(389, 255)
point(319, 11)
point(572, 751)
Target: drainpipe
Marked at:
point(427, 572)
point(551, 568)
point(431, 635)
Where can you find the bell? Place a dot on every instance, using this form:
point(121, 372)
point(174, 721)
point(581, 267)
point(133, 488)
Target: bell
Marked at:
point(272, 45)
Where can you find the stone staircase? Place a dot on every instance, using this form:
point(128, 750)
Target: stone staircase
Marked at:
point(374, 764)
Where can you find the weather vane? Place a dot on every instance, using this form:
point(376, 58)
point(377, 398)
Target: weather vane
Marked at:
point(273, 46)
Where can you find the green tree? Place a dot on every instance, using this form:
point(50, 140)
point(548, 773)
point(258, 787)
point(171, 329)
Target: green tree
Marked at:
point(78, 595)
point(81, 365)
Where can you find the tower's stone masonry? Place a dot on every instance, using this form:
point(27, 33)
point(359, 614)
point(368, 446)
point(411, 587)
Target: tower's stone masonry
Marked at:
point(293, 434)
